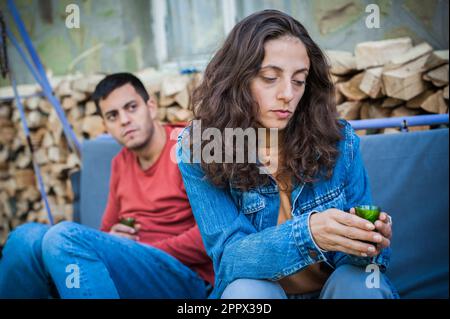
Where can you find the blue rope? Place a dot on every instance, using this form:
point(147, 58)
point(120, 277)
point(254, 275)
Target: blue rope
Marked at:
point(40, 75)
point(36, 168)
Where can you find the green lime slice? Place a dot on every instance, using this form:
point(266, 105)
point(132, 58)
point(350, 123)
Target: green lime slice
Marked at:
point(129, 221)
point(369, 212)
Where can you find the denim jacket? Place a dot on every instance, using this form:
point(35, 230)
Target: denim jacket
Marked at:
point(240, 231)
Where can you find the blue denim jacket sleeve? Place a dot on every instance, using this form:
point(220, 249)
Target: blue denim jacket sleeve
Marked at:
point(237, 249)
point(357, 192)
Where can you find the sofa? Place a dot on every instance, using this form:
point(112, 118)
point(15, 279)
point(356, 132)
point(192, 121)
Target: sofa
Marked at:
point(409, 178)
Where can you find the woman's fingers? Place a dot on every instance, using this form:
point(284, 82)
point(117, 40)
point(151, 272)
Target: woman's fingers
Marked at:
point(384, 226)
point(359, 234)
point(352, 220)
point(354, 247)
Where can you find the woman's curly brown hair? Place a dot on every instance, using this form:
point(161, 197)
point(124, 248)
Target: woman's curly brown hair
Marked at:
point(223, 100)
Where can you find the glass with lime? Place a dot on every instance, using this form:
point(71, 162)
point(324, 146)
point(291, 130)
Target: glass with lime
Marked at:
point(128, 221)
point(368, 212)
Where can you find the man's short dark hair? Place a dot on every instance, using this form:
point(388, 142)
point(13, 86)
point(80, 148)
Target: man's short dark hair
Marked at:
point(114, 81)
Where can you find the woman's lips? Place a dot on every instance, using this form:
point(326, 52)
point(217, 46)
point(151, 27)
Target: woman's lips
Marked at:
point(282, 114)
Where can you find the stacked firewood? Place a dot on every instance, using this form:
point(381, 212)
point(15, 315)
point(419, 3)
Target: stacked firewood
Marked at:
point(20, 199)
point(390, 78)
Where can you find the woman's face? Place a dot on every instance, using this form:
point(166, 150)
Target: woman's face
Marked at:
point(280, 82)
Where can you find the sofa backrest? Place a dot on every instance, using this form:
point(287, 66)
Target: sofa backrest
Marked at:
point(409, 179)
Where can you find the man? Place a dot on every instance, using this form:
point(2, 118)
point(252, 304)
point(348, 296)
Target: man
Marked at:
point(161, 257)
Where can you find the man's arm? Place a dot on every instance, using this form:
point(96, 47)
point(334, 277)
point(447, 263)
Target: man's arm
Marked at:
point(111, 213)
point(187, 247)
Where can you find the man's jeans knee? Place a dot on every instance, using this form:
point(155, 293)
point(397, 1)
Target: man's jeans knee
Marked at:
point(22, 271)
point(253, 289)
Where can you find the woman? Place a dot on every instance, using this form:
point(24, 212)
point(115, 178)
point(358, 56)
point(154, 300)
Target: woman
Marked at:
point(279, 226)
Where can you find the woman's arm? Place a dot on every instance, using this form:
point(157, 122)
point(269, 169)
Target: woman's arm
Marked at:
point(236, 248)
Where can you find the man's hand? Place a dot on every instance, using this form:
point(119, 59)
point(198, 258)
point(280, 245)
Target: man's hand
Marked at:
point(336, 230)
point(384, 227)
point(125, 231)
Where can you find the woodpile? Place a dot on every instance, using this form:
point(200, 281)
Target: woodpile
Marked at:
point(20, 200)
point(390, 78)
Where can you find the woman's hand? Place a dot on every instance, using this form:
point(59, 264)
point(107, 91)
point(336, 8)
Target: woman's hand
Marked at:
point(383, 226)
point(336, 230)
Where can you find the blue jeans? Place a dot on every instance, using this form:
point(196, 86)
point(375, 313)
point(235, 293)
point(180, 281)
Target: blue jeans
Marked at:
point(82, 262)
point(346, 282)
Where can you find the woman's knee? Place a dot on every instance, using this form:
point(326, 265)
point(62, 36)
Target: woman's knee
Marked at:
point(354, 282)
point(253, 289)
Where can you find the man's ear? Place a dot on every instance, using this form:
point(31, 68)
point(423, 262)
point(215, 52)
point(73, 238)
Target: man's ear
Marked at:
point(153, 107)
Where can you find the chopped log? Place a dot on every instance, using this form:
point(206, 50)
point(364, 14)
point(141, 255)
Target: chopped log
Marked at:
point(338, 96)
point(446, 92)
point(341, 62)
point(36, 119)
point(75, 114)
point(23, 160)
point(36, 137)
point(5, 111)
point(57, 154)
point(416, 102)
point(40, 156)
point(55, 126)
point(419, 128)
point(45, 106)
point(162, 112)
point(68, 103)
point(404, 111)
point(390, 130)
point(73, 161)
point(371, 82)
point(173, 85)
point(405, 82)
point(182, 98)
point(337, 78)
point(373, 110)
point(48, 140)
point(438, 76)
point(90, 108)
point(7, 134)
point(349, 110)
point(93, 125)
point(87, 84)
point(177, 114)
point(165, 101)
point(31, 194)
point(437, 58)
point(435, 103)
point(351, 90)
point(32, 103)
point(78, 96)
point(64, 88)
point(391, 102)
point(378, 53)
point(410, 55)
point(24, 178)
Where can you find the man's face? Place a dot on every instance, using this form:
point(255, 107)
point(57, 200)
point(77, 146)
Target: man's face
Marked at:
point(128, 118)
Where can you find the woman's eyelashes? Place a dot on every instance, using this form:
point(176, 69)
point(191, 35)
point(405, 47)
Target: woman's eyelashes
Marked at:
point(269, 79)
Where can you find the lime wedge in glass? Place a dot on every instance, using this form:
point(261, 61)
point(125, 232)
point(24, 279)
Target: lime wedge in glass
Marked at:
point(368, 212)
point(129, 221)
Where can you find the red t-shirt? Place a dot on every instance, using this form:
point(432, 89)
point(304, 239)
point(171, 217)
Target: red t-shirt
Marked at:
point(157, 199)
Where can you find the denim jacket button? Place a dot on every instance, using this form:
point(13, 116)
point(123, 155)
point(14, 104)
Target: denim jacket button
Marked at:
point(312, 254)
